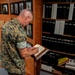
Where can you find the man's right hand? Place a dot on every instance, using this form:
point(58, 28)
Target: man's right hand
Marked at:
point(33, 50)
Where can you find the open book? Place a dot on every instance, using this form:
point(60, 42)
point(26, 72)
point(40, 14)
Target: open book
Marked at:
point(41, 52)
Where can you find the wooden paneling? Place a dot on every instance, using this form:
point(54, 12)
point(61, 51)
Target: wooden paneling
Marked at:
point(4, 1)
point(1, 24)
point(30, 65)
point(16, 0)
point(5, 17)
point(37, 21)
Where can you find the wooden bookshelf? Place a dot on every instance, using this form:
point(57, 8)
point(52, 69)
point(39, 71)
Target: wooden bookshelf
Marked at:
point(59, 2)
point(54, 35)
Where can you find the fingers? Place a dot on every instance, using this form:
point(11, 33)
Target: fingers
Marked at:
point(33, 50)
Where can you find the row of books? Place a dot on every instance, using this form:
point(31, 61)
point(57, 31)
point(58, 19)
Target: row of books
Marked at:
point(47, 68)
point(60, 39)
point(68, 71)
point(59, 43)
point(59, 11)
point(51, 58)
point(57, 59)
point(51, 69)
point(59, 27)
point(65, 71)
point(70, 64)
point(58, 0)
point(48, 26)
point(69, 28)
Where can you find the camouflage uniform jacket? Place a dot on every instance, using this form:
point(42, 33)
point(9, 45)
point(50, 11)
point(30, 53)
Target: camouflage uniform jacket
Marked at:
point(13, 38)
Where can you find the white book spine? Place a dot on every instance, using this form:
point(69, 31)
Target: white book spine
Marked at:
point(71, 62)
point(46, 67)
point(61, 28)
point(71, 12)
point(70, 67)
point(54, 11)
point(57, 25)
point(43, 10)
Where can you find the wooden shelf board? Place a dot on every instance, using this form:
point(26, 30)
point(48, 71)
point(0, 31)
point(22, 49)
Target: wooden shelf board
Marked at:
point(54, 72)
point(58, 2)
point(55, 19)
point(62, 52)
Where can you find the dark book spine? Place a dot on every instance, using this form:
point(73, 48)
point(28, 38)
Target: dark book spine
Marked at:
point(47, 0)
point(73, 14)
point(51, 26)
point(63, 11)
point(66, 13)
point(68, 28)
point(48, 26)
point(48, 9)
point(59, 11)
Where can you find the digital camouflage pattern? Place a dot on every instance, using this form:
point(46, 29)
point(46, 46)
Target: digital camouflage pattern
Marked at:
point(12, 33)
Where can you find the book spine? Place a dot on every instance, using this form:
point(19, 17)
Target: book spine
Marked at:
point(61, 28)
point(71, 12)
point(43, 10)
point(73, 29)
point(48, 26)
point(59, 11)
point(70, 67)
point(54, 11)
point(71, 62)
point(63, 11)
point(68, 28)
point(57, 25)
point(48, 9)
point(46, 67)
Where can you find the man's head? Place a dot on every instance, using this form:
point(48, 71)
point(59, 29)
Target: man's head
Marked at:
point(25, 17)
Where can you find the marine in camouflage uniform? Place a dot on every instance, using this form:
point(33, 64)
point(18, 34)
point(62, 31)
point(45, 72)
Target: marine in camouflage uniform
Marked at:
point(13, 38)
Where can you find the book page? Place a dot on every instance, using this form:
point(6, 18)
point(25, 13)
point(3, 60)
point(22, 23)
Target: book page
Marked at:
point(41, 48)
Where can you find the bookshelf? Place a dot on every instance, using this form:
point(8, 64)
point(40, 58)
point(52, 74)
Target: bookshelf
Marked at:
point(37, 33)
point(48, 30)
point(58, 32)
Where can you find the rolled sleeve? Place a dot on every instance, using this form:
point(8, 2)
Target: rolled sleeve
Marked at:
point(21, 45)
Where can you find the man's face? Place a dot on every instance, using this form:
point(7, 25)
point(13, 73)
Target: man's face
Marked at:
point(27, 20)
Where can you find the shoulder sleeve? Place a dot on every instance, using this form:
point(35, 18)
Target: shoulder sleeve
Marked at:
point(21, 38)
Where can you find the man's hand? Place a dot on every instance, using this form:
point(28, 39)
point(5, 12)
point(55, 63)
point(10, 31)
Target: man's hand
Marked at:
point(28, 51)
point(33, 50)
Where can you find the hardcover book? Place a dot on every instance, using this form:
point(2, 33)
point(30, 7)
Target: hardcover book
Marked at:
point(41, 52)
point(70, 67)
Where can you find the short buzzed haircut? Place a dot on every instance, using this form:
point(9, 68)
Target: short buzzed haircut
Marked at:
point(25, 11)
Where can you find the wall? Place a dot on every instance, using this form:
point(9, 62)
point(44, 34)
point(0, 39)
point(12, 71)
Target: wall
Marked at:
point(6, 17)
